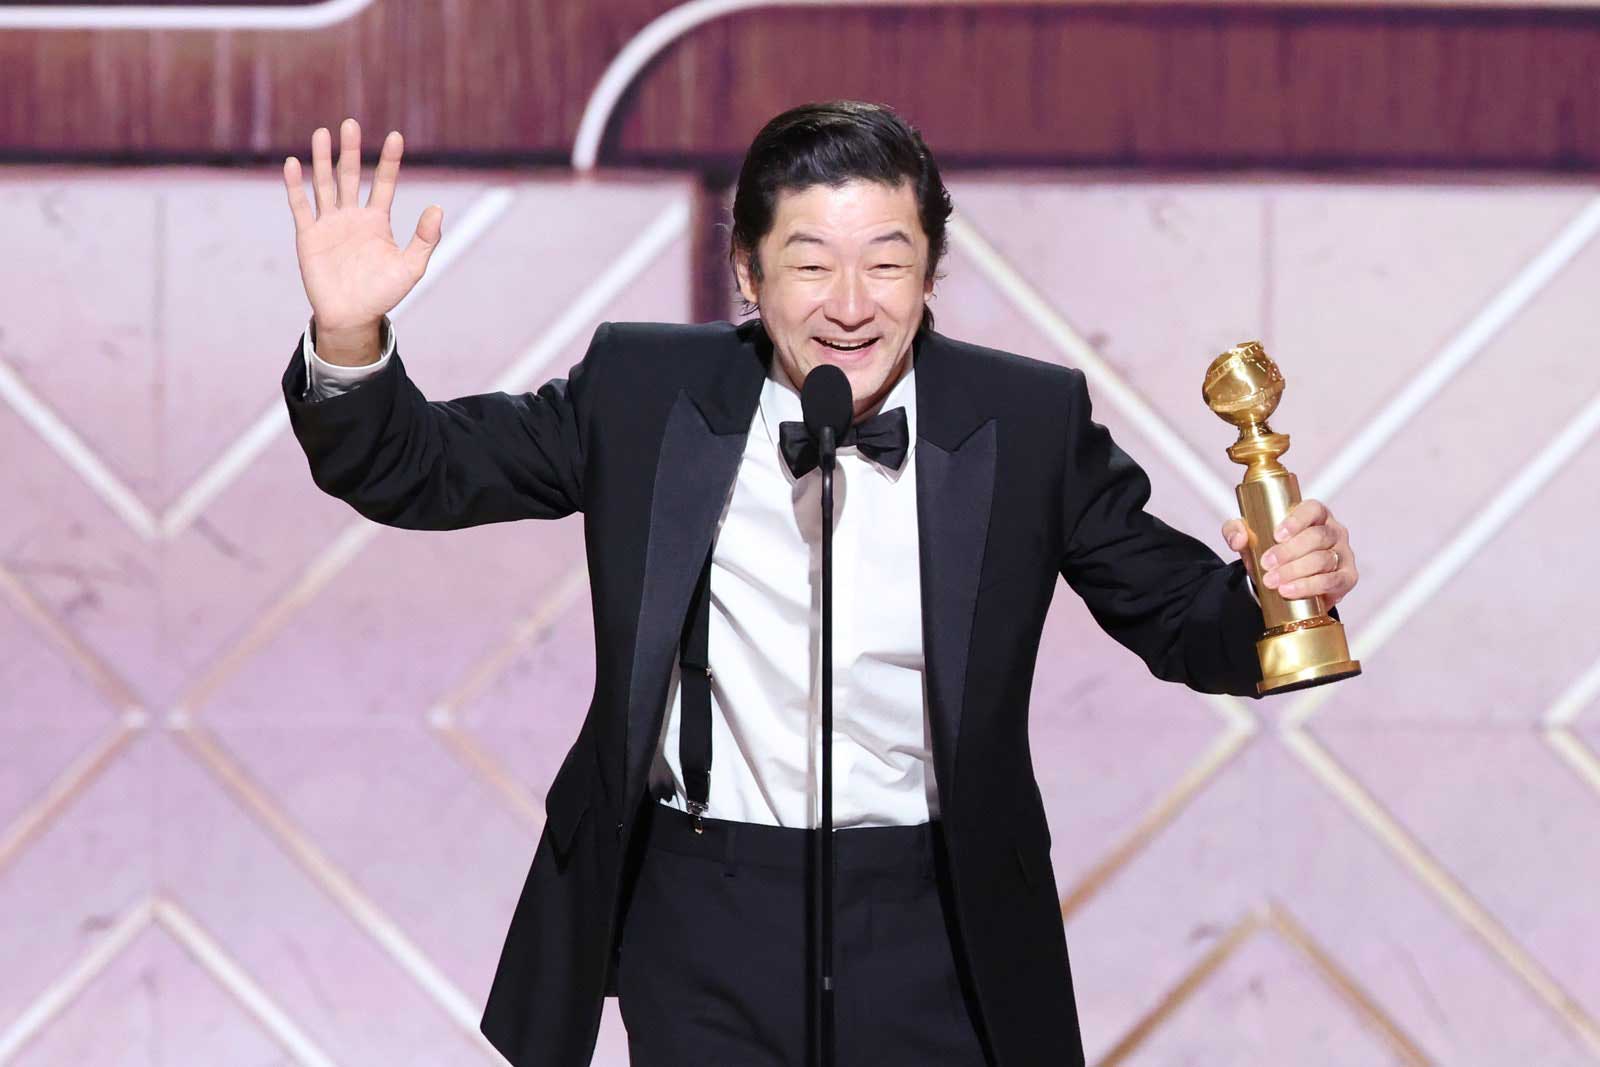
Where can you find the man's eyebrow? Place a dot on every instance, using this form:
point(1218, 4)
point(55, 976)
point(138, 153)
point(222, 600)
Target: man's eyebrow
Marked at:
point(808, 238)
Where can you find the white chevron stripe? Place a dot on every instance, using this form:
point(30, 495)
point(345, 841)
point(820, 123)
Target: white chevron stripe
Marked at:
point(1110, 385)
point(475, 222)
point(1449, 560)
point(227, 972)
point(1473, 338)
point(66, 443)
point(1107, 382)
point(156, 910)
point(334, 881)
point(237, 457)
point(580, 314)
point(58, 994)
point(1584, 690)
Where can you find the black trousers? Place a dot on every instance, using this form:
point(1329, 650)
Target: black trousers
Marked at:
point(717, 966)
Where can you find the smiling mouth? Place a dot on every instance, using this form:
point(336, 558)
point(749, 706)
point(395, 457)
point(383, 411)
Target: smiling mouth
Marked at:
point(842, 346)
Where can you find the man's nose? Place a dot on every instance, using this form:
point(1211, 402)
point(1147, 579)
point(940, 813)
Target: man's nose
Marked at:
point(848, 304)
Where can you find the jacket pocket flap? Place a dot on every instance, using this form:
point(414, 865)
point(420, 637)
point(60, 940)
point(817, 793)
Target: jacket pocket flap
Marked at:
point(567, 801)
point(1031, 843)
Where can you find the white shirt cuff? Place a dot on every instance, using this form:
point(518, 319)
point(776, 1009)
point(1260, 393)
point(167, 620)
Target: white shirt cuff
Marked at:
point(324, 379)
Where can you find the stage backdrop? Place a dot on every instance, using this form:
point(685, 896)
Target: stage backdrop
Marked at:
point(271, 775)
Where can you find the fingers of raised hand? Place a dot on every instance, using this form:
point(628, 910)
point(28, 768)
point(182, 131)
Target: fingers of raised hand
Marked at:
point(294, 183)
point(322, 170)
point(349, 163)
point(430, 228)
point(387, 172)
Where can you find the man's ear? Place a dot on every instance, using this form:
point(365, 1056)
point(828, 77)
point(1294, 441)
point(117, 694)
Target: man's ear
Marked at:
point(741, 270)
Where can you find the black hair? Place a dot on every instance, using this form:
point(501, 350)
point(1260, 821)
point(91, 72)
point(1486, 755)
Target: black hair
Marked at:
point(831, 143)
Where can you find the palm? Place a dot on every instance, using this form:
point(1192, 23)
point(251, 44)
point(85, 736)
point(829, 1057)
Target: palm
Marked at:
point(353, 271)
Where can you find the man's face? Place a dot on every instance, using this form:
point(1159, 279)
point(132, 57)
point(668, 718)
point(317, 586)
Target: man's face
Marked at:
point(842, 266)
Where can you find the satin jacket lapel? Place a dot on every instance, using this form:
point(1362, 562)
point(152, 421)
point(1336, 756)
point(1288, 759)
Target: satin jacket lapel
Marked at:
point(699, 457)
point(956, 455)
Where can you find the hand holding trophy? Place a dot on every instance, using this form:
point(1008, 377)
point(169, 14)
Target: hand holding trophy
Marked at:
point(1303, 645)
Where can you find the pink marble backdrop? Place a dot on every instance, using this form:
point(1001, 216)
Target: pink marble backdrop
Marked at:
point(269, 787)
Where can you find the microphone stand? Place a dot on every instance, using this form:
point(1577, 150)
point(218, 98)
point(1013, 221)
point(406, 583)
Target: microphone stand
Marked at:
point(823, 1017)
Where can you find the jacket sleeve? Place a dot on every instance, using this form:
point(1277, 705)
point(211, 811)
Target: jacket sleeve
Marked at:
point(403, 460)
point(1166, 596)
point(326, 380)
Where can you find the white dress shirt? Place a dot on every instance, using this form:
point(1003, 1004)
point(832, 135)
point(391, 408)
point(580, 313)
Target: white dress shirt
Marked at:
point(765, 639)
point(326, 379)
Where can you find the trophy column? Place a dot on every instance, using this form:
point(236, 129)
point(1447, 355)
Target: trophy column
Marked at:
point(1302, 645)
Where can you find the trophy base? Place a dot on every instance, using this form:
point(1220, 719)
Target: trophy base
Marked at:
point(1303, 654)
point(1288, 683)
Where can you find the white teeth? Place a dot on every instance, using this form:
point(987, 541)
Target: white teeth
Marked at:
point(847, 348)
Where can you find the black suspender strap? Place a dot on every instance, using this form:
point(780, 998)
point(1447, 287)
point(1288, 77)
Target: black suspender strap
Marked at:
point(694, 671)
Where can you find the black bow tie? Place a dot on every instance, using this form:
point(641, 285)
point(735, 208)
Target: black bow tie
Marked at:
point(882, 438)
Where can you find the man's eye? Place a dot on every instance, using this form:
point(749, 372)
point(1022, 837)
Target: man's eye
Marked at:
point(893, 266)
point(810, 266)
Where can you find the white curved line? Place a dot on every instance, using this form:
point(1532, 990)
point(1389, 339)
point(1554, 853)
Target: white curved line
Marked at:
point(188, 17)
point(665, 29)
point(644, 46)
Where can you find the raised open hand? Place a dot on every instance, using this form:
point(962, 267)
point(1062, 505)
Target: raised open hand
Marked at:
point(353, 271)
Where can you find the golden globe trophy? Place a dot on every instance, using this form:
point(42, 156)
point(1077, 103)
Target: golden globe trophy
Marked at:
point(1303, 645)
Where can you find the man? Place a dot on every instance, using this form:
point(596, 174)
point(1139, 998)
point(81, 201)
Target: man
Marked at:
point(672, 869)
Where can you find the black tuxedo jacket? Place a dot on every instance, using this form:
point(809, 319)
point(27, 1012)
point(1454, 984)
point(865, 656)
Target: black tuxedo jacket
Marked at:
point(1015, 487)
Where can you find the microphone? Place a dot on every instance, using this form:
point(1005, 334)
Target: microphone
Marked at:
point(826, 404)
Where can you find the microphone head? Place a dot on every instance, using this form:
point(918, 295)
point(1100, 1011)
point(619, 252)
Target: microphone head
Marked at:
point(826, 400)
